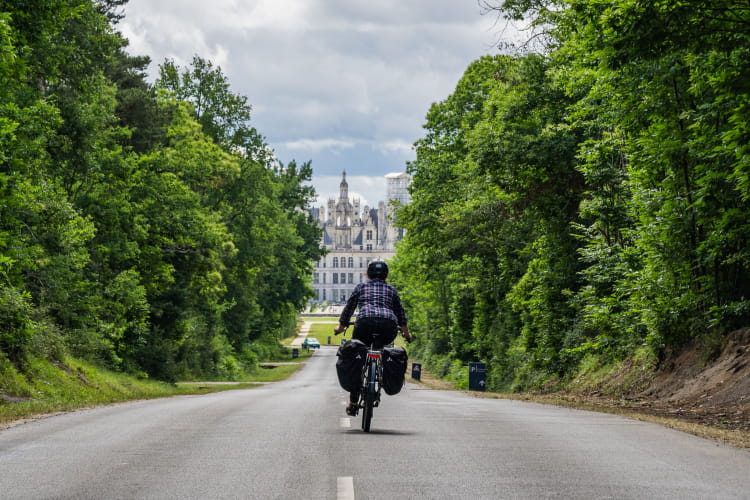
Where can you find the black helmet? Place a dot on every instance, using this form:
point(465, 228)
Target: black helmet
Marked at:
point(377, 269)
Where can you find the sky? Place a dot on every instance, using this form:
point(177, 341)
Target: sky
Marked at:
point(344, 84)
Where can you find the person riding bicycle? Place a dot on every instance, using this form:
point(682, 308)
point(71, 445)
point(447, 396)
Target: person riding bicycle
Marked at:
point(380, 315)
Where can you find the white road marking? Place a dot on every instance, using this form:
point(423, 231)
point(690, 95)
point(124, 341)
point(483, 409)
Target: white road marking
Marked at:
point(345, 488)
point(345, 422)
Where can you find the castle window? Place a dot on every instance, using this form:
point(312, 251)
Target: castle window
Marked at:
point(335, 278)
point(343, 278)
point(351, 278)
point(369, 234)
point(316, 277)
point(343, 261)
point(351, 261)
point(335, 262)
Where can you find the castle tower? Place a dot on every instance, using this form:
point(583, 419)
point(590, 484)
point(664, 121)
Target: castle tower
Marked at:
point(344, 188)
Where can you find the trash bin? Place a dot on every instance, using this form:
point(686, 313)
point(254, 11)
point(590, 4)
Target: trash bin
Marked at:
point(416, 371)
point(477, 376)
point(295, 353)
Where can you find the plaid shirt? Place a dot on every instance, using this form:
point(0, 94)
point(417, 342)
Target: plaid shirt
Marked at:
point(376, 299)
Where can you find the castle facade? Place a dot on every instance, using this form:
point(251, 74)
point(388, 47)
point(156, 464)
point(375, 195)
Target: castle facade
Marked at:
point(354, 236)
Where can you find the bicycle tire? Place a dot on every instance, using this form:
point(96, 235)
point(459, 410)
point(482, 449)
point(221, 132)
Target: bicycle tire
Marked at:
point(369, 397)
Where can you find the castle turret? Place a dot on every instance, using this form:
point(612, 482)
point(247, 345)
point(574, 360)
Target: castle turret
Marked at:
point(344, 188)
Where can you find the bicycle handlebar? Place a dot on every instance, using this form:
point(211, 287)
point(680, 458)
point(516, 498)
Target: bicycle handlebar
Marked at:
point(347, 325)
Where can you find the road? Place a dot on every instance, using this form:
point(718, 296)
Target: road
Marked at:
point(292, 439)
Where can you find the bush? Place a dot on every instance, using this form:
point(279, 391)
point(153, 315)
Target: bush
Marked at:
point(16, 327)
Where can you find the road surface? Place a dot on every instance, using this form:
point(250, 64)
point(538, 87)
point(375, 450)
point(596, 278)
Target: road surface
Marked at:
point(291, 440)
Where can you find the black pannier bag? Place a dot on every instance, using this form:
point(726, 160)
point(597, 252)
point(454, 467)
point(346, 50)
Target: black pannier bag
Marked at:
point(352, 355)
point(394, 368)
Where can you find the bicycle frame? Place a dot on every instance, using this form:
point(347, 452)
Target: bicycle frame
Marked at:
point(369, 395)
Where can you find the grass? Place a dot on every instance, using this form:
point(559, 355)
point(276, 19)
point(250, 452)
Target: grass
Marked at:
point(48, 388)
point(737, 438)
point(322, 331)
point(332, 319)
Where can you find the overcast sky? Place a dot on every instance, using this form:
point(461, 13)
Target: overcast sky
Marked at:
point(345, 84)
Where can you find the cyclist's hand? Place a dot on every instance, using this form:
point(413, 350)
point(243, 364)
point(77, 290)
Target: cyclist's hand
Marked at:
point(405, 332)
point(339, 329)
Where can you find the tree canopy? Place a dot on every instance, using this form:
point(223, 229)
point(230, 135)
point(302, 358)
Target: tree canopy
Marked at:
point(588, 203)
point(145, 226)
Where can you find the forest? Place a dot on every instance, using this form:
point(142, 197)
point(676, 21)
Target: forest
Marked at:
point(579, 202)
point(583, 201)
point(144, 226)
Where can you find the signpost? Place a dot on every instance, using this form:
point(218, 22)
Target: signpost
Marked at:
point(477, 376)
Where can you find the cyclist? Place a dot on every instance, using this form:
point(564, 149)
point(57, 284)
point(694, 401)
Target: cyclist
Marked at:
point(380, 315)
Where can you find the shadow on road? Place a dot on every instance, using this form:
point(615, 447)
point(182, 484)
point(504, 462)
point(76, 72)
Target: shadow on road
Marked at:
point(385, 432)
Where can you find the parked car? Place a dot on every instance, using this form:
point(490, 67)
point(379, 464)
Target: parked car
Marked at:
point(311, 343)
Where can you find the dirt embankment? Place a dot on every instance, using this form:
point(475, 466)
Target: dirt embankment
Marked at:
point(689, 387)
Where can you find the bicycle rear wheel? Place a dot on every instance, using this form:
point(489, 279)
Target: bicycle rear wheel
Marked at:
point(369, 397)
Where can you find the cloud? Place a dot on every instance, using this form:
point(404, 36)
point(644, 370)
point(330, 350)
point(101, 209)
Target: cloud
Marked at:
point(344, 83)
point(396, 146)
point(316, 145)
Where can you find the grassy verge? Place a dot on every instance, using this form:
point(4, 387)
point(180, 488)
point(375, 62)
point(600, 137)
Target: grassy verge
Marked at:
point(737, 438)
point(48, 388)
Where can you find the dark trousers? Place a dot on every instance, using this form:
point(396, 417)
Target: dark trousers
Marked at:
point(375, 332)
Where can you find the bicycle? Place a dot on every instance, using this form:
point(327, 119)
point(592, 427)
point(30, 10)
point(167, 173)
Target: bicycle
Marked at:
point(370, 385)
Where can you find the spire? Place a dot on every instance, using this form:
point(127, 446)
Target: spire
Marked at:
point(344, 188)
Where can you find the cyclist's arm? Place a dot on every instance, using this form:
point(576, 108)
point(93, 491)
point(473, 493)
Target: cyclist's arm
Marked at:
point(401, 318)
point(346, 314)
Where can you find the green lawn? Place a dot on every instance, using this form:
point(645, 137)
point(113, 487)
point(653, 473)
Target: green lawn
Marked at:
point(322, 331)
point(51, 387)
point(313, 319)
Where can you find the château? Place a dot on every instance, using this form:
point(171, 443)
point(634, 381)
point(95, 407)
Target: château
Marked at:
point(354, 236)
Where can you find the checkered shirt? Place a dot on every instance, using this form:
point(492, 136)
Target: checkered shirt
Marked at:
point(375, 299)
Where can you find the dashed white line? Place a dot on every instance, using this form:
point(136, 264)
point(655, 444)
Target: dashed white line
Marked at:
point(345, 488)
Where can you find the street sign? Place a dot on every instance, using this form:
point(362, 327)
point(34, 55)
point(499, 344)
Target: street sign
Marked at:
point(416, 371)
point(477, 376)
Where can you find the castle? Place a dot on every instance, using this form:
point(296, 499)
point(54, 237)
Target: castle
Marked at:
point(354, 238)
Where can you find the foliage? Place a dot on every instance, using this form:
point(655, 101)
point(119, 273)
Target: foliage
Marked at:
point(589, 202)
point(147, 228)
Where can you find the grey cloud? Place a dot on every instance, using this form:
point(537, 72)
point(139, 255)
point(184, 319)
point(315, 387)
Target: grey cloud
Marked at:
point(324, 73)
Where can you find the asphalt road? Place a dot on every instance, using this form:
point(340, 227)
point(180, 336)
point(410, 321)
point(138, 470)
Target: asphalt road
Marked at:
point(292, 440)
